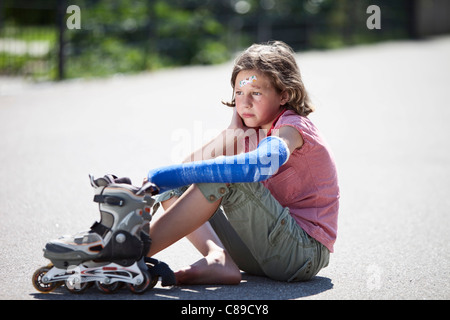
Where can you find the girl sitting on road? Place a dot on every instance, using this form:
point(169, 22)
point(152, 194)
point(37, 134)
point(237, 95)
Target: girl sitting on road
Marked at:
point(265, 200)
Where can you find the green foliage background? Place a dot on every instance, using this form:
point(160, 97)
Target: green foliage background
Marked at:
point(121, 36)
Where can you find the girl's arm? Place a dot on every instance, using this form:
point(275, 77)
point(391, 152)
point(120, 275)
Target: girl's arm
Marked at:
point(292, 138)
point(258, 165)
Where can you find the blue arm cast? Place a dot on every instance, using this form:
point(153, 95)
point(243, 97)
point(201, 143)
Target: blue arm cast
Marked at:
point(258, 165)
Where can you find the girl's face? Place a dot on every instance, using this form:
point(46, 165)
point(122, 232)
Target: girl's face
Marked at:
point(257, 101)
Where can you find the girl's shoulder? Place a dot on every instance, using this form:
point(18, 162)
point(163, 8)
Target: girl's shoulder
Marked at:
point(291, 118)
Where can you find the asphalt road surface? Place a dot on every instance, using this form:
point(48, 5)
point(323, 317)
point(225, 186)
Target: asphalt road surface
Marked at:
point(384, 110)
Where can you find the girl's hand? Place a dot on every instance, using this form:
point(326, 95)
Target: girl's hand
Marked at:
point(236, 121)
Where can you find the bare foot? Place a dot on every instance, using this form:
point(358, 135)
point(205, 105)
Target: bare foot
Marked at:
point(215, 268)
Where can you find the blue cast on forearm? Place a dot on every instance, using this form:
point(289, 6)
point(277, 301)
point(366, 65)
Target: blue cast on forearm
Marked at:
point(258, 165)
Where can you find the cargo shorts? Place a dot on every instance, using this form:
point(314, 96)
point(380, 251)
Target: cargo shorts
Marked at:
point(259, 234)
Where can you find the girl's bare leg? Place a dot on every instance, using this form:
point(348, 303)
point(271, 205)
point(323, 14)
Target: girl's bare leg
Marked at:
point(188, 216)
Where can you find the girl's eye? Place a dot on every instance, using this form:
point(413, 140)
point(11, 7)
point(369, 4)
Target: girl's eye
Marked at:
point(239, 93)
point(256, 93)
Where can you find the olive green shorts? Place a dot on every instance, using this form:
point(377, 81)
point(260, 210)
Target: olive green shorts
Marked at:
point(259, 234)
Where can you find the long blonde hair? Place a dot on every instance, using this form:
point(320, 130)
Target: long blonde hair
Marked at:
point(276, 60)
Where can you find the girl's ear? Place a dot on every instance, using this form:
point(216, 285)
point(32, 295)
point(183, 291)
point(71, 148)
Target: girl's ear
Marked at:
point(285, 96)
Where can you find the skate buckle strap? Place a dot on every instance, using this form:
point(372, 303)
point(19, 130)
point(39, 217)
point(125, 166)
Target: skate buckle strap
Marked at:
point(100, 229)
point(111, 200)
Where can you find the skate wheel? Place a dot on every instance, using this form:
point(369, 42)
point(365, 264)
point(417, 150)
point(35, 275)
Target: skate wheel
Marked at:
point(148, 283)
point(77, 287)
point(39, 285)
point(108, 288)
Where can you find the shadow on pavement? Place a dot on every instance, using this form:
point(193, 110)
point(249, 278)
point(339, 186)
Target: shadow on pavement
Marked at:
point(251, 288)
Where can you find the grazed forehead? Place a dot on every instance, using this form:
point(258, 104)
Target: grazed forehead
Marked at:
point(250, 80)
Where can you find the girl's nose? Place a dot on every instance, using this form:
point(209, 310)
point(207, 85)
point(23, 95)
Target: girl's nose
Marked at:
point(247, 101)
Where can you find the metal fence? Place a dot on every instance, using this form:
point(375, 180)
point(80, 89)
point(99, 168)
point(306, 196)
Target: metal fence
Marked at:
point(40, 39)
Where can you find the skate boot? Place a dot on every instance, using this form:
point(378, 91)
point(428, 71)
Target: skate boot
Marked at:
point(112, 252)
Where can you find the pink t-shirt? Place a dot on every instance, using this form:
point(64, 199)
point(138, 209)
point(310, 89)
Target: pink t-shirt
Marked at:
point(307, 184)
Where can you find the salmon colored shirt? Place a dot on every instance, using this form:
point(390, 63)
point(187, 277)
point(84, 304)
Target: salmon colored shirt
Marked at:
point(307, 183)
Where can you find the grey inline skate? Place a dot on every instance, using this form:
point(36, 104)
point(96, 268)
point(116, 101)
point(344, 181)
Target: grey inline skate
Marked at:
point(113, 252)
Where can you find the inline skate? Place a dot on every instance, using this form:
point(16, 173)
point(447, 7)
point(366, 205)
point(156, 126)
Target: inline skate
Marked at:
point(113, 252)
